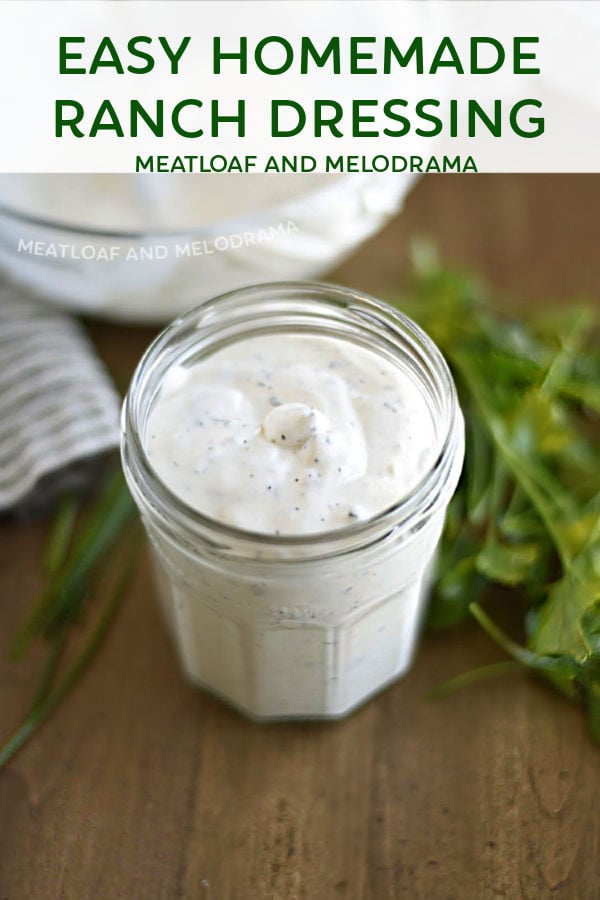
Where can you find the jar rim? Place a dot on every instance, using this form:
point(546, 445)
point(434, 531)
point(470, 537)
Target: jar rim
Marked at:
point(149, 489)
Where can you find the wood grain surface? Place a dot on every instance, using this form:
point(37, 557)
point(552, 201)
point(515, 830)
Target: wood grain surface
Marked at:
point(141, 788)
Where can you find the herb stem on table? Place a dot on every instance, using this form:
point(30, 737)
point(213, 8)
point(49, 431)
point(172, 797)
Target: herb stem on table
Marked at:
point(73, 565)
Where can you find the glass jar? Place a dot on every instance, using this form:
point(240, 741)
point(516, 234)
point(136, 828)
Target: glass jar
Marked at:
point(305, 625)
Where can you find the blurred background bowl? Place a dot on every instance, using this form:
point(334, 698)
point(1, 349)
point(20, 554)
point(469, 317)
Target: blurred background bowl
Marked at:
point(154, 275)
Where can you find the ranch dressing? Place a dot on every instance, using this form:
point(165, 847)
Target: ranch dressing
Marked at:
point(286, 434)
point(293, 481)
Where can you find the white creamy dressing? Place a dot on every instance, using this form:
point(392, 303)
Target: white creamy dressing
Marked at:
point(290, 434)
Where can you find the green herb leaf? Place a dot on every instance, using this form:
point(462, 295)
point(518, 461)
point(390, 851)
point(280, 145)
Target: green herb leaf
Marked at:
point(508, 564)
point(527, 511)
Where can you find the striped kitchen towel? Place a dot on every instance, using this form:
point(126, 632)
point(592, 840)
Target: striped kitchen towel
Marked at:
point(58, 408)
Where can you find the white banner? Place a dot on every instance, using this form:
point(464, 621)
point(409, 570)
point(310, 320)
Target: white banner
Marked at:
point(300, 85)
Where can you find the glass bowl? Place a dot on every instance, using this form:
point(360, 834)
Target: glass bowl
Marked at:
point(139, 276)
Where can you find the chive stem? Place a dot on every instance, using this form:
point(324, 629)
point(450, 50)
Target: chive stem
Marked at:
point(493, 670)
point(61, 533)
point(38, 713)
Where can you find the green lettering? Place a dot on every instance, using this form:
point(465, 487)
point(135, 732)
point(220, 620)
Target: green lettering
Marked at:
point(494, 126)
point(476, 67)
point(276, 130)
point(358, 118)
point(177, 110)
point(140, 54)
point(216, 119)
point(154, 124)
point(113, 61)
point(537, 122)
point(106, 109)
point(389, 110)
point(446, 46)
point(309, 49)
point(64, 56)
point(218, 55)
point(333, 164)
point(144, 165)
point(519, 56)
point(420, 109)
point(174, 56)
point(331, 122)
point(390, 48)
point(72, 123)
point(356, 56)
point(274, 70)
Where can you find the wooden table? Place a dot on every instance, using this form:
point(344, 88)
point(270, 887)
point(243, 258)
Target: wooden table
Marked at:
point(142, 788)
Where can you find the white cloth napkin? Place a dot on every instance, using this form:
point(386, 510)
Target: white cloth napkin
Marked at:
point(58, 408)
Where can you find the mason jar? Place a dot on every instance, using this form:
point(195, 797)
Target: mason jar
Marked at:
point(308, 625)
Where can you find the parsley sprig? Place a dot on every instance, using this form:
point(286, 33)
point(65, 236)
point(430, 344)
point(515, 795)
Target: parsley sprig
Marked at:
point(526, 515)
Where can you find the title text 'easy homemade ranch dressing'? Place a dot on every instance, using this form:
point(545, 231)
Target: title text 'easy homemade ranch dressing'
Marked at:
point(299, 589)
